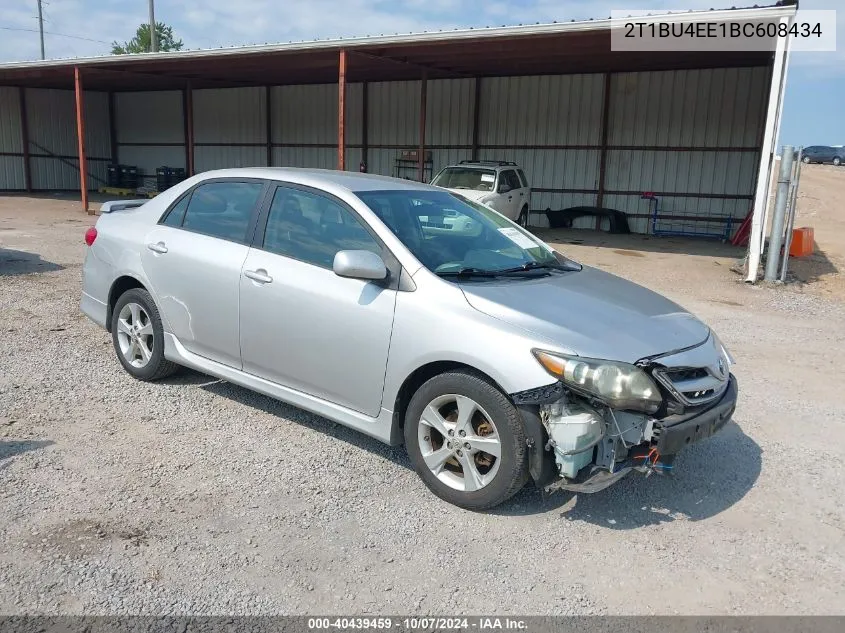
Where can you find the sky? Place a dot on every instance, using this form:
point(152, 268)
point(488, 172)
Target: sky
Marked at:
point(814, 110)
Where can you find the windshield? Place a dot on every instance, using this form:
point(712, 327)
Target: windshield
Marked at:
point(451, 235)
point(466, 178)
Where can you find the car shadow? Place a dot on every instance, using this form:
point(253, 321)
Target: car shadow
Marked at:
point(709, 478)
point(811, 268)
point(13, 262)
point(274, 407)
point(11, 448)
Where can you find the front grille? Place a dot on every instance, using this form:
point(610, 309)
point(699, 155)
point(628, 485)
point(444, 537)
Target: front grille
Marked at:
point(691, 386)
point(680, 375)
point(699, 396)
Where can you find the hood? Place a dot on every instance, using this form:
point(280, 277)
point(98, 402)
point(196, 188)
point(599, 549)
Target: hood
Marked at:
point(472, 194)
point(592, 313)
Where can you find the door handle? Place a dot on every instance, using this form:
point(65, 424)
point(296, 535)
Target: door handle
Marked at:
point(259, 275)
point(158, 247)
point(510, 197)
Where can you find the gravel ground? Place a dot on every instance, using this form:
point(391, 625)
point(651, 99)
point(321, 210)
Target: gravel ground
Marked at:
point(194, 496)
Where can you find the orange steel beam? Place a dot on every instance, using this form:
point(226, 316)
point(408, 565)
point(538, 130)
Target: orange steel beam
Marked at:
point(27, 167)
point(80, 134)
point(421, 156)
point(188, 121)
point(341, 111)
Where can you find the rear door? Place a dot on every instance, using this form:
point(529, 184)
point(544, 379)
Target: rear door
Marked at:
point(511, 195)
point(526, 188)
point(193, 259)
point(301, 325)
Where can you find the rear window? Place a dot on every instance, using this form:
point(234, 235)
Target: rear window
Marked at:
point(466, 178)
point(222, 209)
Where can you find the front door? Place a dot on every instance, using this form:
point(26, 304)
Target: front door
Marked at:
point(301, 325)
point(193, 260)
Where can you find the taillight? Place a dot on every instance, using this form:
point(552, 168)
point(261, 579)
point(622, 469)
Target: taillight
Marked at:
point(90, 236)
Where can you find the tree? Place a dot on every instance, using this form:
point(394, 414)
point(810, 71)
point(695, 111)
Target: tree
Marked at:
point(141, 42)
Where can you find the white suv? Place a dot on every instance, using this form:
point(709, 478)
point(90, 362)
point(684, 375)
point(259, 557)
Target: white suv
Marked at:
point(498, 184)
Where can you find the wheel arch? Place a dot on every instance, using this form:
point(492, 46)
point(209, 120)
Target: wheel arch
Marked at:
point(540, 468)
point(417, 379)
point(118, 287)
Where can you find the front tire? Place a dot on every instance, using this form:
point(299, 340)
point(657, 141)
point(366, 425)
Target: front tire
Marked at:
point(837, 161)
point(522, 220)
point(138, 336)
point(466, 440)
point(806, 160)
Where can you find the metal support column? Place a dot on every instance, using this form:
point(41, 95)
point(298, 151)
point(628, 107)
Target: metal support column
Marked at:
point(188, 124)
point(605, 127)
point(112, 131)
point(781, 200)
point(761, 194)
point(341, 111)
point(268, 119)
point(27, 167)
point(792, 211)
point(421, 153)
point(365, 115)
point(476, 117)
point(80, 134)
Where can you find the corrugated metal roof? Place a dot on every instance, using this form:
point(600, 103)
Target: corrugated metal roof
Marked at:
point(780, 9)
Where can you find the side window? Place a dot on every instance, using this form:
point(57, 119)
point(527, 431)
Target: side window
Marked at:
point(523, 178)
point(513, 179)
point(222, 209)
point(313, 228)
point(176, 215)
point(508, 177)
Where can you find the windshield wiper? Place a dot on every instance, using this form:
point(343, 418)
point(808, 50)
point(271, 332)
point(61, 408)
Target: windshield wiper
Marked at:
point(528, 266)
point(468, 272)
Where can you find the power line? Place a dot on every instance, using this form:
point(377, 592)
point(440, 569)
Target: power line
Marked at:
point(75, 37)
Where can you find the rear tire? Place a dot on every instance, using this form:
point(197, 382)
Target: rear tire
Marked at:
point(138, 336)
point(454, 419)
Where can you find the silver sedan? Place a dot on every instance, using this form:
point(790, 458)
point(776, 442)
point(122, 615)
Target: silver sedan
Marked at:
point(413, 315)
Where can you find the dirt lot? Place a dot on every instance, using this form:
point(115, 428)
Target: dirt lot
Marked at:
point(196, 496)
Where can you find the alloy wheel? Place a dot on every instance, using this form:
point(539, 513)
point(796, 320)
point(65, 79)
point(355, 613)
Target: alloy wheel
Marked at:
point(135, 335)
point(459, 442)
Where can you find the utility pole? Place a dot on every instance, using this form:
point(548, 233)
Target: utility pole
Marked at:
point(781, 202)
point(153, 38)
point(41, 28)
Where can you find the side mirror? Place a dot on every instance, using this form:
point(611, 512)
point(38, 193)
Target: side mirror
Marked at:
point(359, 265)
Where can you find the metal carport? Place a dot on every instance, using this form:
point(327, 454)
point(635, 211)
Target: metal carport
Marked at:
point(591, 126)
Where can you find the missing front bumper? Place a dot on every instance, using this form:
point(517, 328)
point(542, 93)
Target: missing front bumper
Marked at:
point(671, 435)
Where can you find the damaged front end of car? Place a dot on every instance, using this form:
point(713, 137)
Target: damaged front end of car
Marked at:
point(604, 419)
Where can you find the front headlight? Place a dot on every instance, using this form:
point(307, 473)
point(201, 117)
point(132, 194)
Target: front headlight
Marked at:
point(619, 385)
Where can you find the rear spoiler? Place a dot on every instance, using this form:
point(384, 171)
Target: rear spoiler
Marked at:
point(118, 205)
